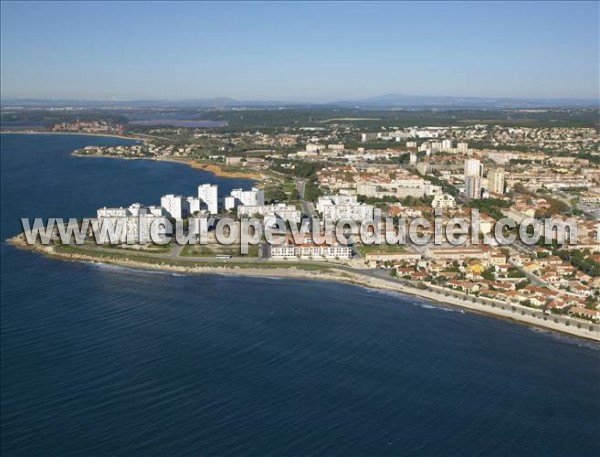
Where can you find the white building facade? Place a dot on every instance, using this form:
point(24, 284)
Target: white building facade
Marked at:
point(130, 225)
point(209, 197)
point(280, 210)
point(174, 205)
point(238, 197)
point(344, 207)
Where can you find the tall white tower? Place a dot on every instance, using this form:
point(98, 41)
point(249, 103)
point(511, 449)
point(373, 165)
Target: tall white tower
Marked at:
point(496, 180)
point(473, 174)
point(209, 195)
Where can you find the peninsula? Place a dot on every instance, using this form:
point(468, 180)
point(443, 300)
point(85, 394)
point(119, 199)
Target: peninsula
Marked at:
point(341, 166)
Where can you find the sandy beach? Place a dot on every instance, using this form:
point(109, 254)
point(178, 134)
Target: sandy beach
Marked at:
point(211, 168)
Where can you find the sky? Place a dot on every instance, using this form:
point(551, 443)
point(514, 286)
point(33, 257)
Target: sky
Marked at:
point(298, 51)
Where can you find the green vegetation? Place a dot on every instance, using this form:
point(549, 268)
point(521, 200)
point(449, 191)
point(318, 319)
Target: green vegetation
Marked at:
point(196, 251)
point(47, 118)
point(488, 273)
point(200, 250)
point(382, 248)
point(327, 116)
point(515, 273)
point(312, 192)
point(112, 257)
point(581, 260)
point(275, 194)
point(301, 169)
point(489, 206)
point(446, 187)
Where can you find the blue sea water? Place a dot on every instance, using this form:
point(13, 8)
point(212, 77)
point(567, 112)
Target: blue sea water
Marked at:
point(107, 361)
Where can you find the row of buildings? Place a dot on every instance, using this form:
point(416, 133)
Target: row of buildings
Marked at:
point(328, 249)
point(137, 220)
point(208, 200)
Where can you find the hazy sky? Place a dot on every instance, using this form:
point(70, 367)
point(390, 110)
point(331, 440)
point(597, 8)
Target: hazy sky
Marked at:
point(298, 51)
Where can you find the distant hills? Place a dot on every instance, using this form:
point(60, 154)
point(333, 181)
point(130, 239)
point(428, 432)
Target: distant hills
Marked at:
point(388, 101)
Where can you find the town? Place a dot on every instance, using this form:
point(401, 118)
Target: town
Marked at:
point(339, 172)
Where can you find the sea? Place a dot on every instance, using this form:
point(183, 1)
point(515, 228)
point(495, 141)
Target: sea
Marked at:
point(99, 360)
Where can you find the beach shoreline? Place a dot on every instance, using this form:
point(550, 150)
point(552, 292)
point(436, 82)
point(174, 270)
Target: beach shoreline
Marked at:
point(328, 272)
point(214, 169)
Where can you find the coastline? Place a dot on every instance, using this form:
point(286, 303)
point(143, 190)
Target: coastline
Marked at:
point(34, 132)
point(192, 163)
point(327, 272)
point(215, 169)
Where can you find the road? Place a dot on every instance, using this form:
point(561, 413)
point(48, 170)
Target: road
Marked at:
point(300, 187)
point(308, 208)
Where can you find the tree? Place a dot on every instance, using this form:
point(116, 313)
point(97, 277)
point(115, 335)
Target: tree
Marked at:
point(311, 191)
point(519, 188)
point(521, 285)
point(273, 194)
point(488, 273)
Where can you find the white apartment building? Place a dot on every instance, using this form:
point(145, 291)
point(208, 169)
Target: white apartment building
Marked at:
point(312, 251)
point(238, 197)
point(194, 205)
point(174, 205)
point(280, 210)
point(415, 188)
point(423, 133)
point(368, 189)
point(446, 145)
point(501, 158)
point(400, 188)
point(311, 147)
point(496, 180)
point(346, 207)
point(473, 174)
point(112, 212)
point(416, 191)
point(436, 146)
point(473, 186)
point(456, 253)
point(208, 194)
point(473, 167)
point(368, 137)
point(136, 220)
